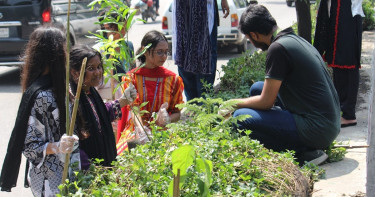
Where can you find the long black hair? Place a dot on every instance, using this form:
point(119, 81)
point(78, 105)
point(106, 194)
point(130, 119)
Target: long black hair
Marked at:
point(153, 37)
point(96, 135)
point(46, 51)
point(77, 54)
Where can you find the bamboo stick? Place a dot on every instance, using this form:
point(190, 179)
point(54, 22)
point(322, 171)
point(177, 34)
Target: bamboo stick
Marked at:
point(351, 146)
point(176, 184)
point(67, 70)
point(74, 115)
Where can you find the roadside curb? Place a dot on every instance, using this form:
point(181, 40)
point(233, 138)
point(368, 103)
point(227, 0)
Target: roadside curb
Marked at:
point(370, 184)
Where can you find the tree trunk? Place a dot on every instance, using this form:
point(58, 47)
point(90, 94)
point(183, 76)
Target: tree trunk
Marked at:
point(304, 19)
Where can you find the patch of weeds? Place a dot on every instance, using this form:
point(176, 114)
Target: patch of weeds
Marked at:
point(335, 154)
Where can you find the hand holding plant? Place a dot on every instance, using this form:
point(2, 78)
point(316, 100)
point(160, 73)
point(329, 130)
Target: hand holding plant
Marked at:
point(162, 118)
point(130, 94)
point(143, 134)
point(226, 109)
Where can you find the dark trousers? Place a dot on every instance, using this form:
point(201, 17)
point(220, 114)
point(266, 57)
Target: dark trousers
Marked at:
point(274, 128)
point(193, 86)
point(346, 82)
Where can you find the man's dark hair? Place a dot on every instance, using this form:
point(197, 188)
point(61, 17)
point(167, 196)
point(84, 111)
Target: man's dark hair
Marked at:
point(256, 18)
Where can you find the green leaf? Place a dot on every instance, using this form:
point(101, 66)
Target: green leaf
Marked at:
point(205, 166)
point(182, 158)
point(203, 188)
point(143, 104)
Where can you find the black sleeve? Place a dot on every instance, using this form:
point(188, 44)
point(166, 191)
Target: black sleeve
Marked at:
point(278, 62)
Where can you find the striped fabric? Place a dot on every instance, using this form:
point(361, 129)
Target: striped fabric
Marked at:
point(169, 90)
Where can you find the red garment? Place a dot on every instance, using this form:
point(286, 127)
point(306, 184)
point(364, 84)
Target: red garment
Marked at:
point(170, 88)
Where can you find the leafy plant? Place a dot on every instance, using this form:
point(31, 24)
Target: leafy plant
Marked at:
point(239, 74)
point(115, 52)
point(369, 19)
point(212, 159)
point(335, 154)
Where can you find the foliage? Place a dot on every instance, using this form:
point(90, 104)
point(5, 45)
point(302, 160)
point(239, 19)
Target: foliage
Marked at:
point(335, 154)
point(239, 74)
point(313, 172)
point(115, 52)
point(213, 160)
point(369, 19)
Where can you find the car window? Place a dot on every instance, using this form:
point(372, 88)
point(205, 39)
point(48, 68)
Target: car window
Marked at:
point(17, 2)
point(219, 4)
point(239, 3)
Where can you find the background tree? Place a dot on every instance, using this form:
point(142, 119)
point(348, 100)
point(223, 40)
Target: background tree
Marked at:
point(304, 19)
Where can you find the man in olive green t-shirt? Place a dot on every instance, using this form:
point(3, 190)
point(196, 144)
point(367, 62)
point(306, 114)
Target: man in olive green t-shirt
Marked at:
point(296, 107)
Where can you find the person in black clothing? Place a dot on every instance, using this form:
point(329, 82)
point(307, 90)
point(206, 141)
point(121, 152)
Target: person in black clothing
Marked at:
point(39, 130)
point(296, 107)
point(96, 137)
point(338, 38)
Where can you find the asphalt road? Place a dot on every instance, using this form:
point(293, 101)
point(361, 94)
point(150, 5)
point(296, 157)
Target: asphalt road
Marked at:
point(10, 91)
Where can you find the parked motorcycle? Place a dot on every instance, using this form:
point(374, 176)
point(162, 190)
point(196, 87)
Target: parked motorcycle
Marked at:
point(147, 9)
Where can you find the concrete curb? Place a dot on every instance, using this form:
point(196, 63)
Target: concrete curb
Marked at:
point(370, 184)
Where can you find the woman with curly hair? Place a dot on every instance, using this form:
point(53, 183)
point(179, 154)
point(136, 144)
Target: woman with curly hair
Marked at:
point(39, 131)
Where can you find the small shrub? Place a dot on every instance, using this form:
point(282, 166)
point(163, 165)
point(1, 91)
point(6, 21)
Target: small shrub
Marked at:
point(239, 74)
point(335, 154)
point(213, 160)
point(369, 20)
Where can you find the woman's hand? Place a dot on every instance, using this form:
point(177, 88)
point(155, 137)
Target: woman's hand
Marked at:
point(162, 117)
point(65, 145)
point(130, 94)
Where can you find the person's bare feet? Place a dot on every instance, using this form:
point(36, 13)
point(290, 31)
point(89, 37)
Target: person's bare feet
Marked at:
point(347, 123)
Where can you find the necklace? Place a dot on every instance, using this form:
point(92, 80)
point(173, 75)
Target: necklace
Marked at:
point(145, 93)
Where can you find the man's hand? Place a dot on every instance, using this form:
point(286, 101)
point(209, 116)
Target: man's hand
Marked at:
point(225, 7)
point(225, 110)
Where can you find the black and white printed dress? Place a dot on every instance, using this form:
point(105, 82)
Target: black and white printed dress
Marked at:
point(45, 172)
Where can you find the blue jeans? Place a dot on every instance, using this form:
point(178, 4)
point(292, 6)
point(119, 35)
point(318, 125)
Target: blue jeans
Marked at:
point(275, 128)
point(192, 81)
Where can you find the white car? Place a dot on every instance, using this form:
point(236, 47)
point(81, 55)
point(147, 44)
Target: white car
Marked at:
point(227, 32)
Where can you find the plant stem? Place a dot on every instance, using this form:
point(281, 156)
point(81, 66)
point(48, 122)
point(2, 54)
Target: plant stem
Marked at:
point(67, 67)
point(74, 115)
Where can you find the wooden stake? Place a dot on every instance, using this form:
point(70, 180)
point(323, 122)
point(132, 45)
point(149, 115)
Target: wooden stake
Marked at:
point(67, 71)
point(74, 115)
point(351, 146)
point(176, 184)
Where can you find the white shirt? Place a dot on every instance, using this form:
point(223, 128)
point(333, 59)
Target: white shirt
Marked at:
point(210, 14)
point(357, 8)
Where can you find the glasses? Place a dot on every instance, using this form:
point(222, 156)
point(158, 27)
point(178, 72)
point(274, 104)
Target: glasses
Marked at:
point(160, 53)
